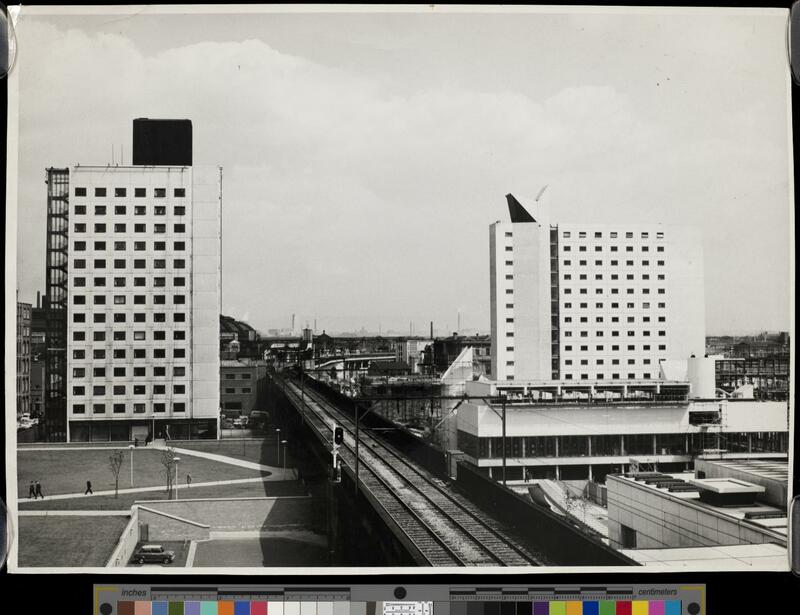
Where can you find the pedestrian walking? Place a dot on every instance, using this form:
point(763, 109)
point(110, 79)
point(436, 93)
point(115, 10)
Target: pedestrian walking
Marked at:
point(39, 490)
point(32, 491)
point(188, 480)
point(88, 488)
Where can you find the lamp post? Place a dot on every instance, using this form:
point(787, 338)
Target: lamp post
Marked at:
point(278, 447)
point(176, 460)
point(131, 447)
point(284, 442)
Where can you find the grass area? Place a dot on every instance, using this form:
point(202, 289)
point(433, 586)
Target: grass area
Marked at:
point(260, 552)
point(66, 471)
point(125, 501)
point(263, 451)
point(68, 541)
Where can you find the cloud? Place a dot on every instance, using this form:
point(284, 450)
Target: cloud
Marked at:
point(337, 191)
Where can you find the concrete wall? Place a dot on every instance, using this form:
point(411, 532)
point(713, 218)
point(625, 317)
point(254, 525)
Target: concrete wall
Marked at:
point(161, 526)
point(241, 513)
point(663, 521)
point(532, 323)
point(127, 542)
point(595, 419)
point(206, 246)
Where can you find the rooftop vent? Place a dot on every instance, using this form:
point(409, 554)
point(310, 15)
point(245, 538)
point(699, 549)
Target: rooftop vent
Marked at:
point(727, 491)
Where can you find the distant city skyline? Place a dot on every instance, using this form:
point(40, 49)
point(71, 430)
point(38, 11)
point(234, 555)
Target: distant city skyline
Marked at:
point(366, 154)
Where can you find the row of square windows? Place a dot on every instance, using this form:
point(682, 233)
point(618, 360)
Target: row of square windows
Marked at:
point(601, 348)
point(613, 263)
point(120, 336)
point(598, 362)
point(158, 282)
point(122, 210)
point(122, 372)
point(599, 319)
point(629, 306)
point(121, 227)
point(120, 389)
point(138, 246)
point(614, 306)
point(121, 299)
point(79, 354)
point(615, 291)
point(243, 391)
point(598, 276)
point(599, 234)
point(138, 408)
point(158, 193)
point(100, 317)
point(138, 263)
point(614, 333)
point(615, 376)
point(611, 248)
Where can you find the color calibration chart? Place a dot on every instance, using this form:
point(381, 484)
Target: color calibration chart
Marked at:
point(651, 599)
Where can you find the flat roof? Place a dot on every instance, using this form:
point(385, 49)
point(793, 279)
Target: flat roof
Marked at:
point(776, 470)
point(747, 557)
point(761, 516)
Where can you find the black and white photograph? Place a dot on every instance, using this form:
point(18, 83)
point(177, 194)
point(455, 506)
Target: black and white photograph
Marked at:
point(419, 288)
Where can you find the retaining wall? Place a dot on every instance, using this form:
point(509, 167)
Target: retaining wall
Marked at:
point(127, 542)
point(164, 526)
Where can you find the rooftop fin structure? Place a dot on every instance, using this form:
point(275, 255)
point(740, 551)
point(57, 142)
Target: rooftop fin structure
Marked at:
point(517, 212)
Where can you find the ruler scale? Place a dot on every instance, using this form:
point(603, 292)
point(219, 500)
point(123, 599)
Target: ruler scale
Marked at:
point(654, 599)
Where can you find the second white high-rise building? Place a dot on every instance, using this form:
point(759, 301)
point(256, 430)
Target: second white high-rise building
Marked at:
point(592, 302)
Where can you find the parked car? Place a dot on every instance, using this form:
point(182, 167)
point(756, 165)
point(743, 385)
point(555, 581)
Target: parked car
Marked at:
point(153, 554)
point(240, 422)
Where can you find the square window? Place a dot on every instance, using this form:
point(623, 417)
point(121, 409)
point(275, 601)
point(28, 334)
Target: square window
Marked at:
point(120, 210)
point(180, 192)
point(120, 192)
point(160, 193)
point(139, 210)
point(139, 192)
point(100, 192)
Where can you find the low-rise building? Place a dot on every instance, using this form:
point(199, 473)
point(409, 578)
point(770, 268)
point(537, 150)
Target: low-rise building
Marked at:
point(663, 511)
point(242, 386)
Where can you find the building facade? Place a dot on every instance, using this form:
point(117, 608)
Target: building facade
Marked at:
point(242, 386)
point(23, 358)
point(142, 275)
point(558, 430)
point(592, 302)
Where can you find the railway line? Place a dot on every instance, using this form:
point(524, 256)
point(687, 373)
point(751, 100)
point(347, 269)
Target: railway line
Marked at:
point(440, 527)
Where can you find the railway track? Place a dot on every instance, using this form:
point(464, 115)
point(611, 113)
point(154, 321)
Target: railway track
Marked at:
point(445, 528)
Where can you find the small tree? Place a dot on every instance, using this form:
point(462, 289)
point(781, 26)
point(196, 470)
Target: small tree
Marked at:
point(168, 463)
point(115, 463)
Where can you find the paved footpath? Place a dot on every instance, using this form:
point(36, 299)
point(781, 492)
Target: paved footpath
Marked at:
point(74, 513)
point(242, 463)
point(233, 481)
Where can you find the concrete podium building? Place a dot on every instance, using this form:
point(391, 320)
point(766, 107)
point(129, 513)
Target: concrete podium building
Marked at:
point(133, 288)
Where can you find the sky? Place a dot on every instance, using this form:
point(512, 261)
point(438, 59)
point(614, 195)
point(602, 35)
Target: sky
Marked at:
point(366, 154)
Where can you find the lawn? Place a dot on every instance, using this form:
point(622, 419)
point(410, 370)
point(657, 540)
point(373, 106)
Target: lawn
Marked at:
point(66, 470)
point(263, 451)
point(126, 500)
point(68, 541)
